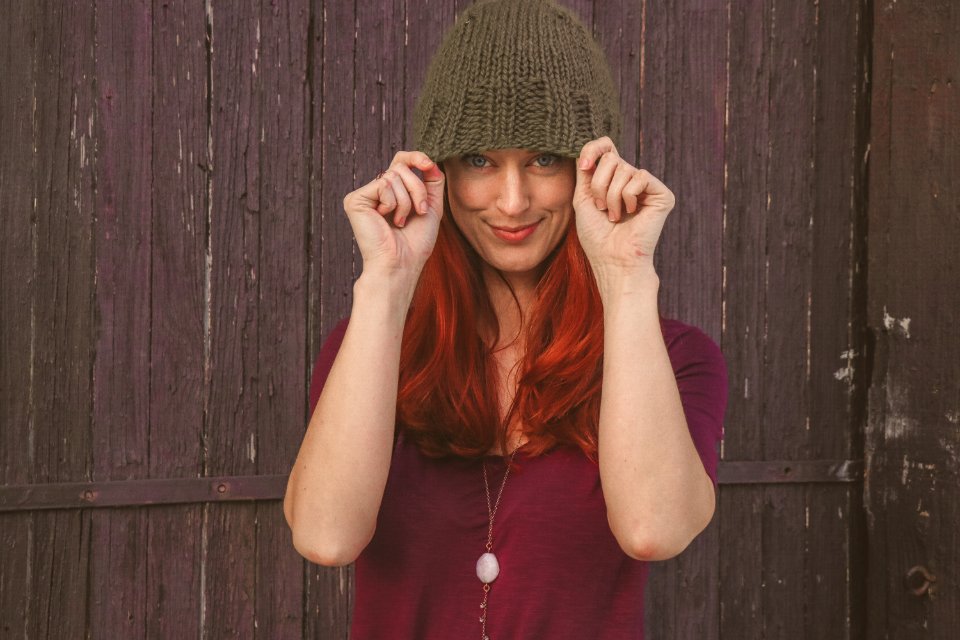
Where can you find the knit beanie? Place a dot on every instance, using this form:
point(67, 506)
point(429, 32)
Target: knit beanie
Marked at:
point(516, 73)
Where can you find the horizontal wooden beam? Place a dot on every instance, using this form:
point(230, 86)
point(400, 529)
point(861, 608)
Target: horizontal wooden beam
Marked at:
point(136, 493)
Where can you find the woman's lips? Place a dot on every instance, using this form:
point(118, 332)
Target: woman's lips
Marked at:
point(515, 236)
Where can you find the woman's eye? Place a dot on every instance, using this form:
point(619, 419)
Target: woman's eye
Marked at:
point(470, 160)
point(548, 156)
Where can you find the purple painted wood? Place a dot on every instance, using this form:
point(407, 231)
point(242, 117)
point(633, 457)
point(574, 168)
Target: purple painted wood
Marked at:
point(63, 334)
point(912, 443)
point(791, 297)
point(235, 241)
point(124, 163)
point(179, 312)
point(332, 255)
point(185, 257)
point(283, 214)
point(18, 69)
point(837, 341)
point(682, 88)
point(741, 566)
point(619, 30)
point(790, 197)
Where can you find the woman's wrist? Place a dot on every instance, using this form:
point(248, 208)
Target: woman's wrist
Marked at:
point(384, 293)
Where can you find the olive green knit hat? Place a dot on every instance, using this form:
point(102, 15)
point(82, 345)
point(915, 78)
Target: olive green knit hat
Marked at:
point(516, 73)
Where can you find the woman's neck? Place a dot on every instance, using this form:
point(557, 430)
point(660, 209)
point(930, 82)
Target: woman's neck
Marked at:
point(508, 313)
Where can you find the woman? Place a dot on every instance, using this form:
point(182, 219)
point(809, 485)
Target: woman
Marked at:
point(505, 327)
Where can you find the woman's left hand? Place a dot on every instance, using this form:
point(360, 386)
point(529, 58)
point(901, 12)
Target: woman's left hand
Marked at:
point(620, 210)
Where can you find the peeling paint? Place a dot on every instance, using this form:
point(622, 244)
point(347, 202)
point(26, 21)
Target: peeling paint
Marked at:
point(897, 424)
point(846, 373)
point(893, 324)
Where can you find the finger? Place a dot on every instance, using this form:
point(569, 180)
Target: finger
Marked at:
point(600, 183)
point(587, 161)
point(415, 187)
point(386, 199)
point(403, 198)
point(433, 180)
point(652, 185)
point(591, 152)
point(615, 196)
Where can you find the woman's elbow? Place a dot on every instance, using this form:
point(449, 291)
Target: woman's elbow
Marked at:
point(324, 555)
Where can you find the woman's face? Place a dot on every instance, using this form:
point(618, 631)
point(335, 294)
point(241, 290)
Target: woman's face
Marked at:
point(509, 189)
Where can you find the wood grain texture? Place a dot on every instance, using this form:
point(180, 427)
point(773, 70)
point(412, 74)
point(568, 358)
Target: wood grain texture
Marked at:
point(121, 375)
point(793, 299)
point(683, 87)
point(180, 313)
point(284, 151)
point(63, 338)
point(175, 251)
point(913, 430)
point(19, 72)
point(332, 254)
point(229, 554)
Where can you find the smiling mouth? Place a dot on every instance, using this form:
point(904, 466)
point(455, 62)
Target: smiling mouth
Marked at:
point(515, 229)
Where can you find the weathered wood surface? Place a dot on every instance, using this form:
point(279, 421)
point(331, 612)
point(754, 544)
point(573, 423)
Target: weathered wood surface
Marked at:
point(793, 317)
point(180, 313)
point(913, 433)
point(174, 251)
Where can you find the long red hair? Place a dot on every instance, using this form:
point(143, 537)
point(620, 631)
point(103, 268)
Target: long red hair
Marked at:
point(448, 400)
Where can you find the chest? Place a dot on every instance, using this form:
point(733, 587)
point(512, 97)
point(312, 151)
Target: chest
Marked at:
point(434, 513)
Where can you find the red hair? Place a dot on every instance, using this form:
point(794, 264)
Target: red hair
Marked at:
point(448, 400)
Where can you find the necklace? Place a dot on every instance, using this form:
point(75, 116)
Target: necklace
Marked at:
point(488, 568)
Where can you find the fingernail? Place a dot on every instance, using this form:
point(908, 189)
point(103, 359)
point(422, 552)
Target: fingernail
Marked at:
point(600, 204)
point(423, 207)
point(584, 163)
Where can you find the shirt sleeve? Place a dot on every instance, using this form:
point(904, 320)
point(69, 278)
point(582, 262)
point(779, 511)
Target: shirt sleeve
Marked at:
point(328, 353)
point(701, 373)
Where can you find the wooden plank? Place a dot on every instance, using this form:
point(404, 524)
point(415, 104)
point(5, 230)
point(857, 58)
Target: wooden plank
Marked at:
point(912, 443)
point(284, 150)
point(332, 256)
point(683, 97)
point(64, 329)
point(833, 576)
point(744, 240)
point(121, 374)
point(229, 570)
point(789, 289)
point(18, 68)
point(180, 314)
point(619, 31)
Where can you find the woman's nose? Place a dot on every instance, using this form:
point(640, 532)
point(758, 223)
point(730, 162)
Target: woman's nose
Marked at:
point(513, 198)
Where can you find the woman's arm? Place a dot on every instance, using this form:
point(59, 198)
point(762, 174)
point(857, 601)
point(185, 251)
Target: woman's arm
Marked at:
point(337, 482)
point(658, 495)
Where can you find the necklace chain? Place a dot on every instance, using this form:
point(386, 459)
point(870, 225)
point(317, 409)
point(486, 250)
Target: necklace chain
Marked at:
point(492, 514)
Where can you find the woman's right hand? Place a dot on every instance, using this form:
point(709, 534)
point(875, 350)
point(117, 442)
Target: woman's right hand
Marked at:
point(402, 245)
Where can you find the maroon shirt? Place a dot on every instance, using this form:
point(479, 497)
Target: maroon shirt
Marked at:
point(562, 572)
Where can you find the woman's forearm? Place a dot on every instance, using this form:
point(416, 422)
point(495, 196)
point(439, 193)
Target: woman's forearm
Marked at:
point(657, 493)
point(337, 482)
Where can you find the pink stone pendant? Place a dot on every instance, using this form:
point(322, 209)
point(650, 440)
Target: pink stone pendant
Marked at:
point(488, 568)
